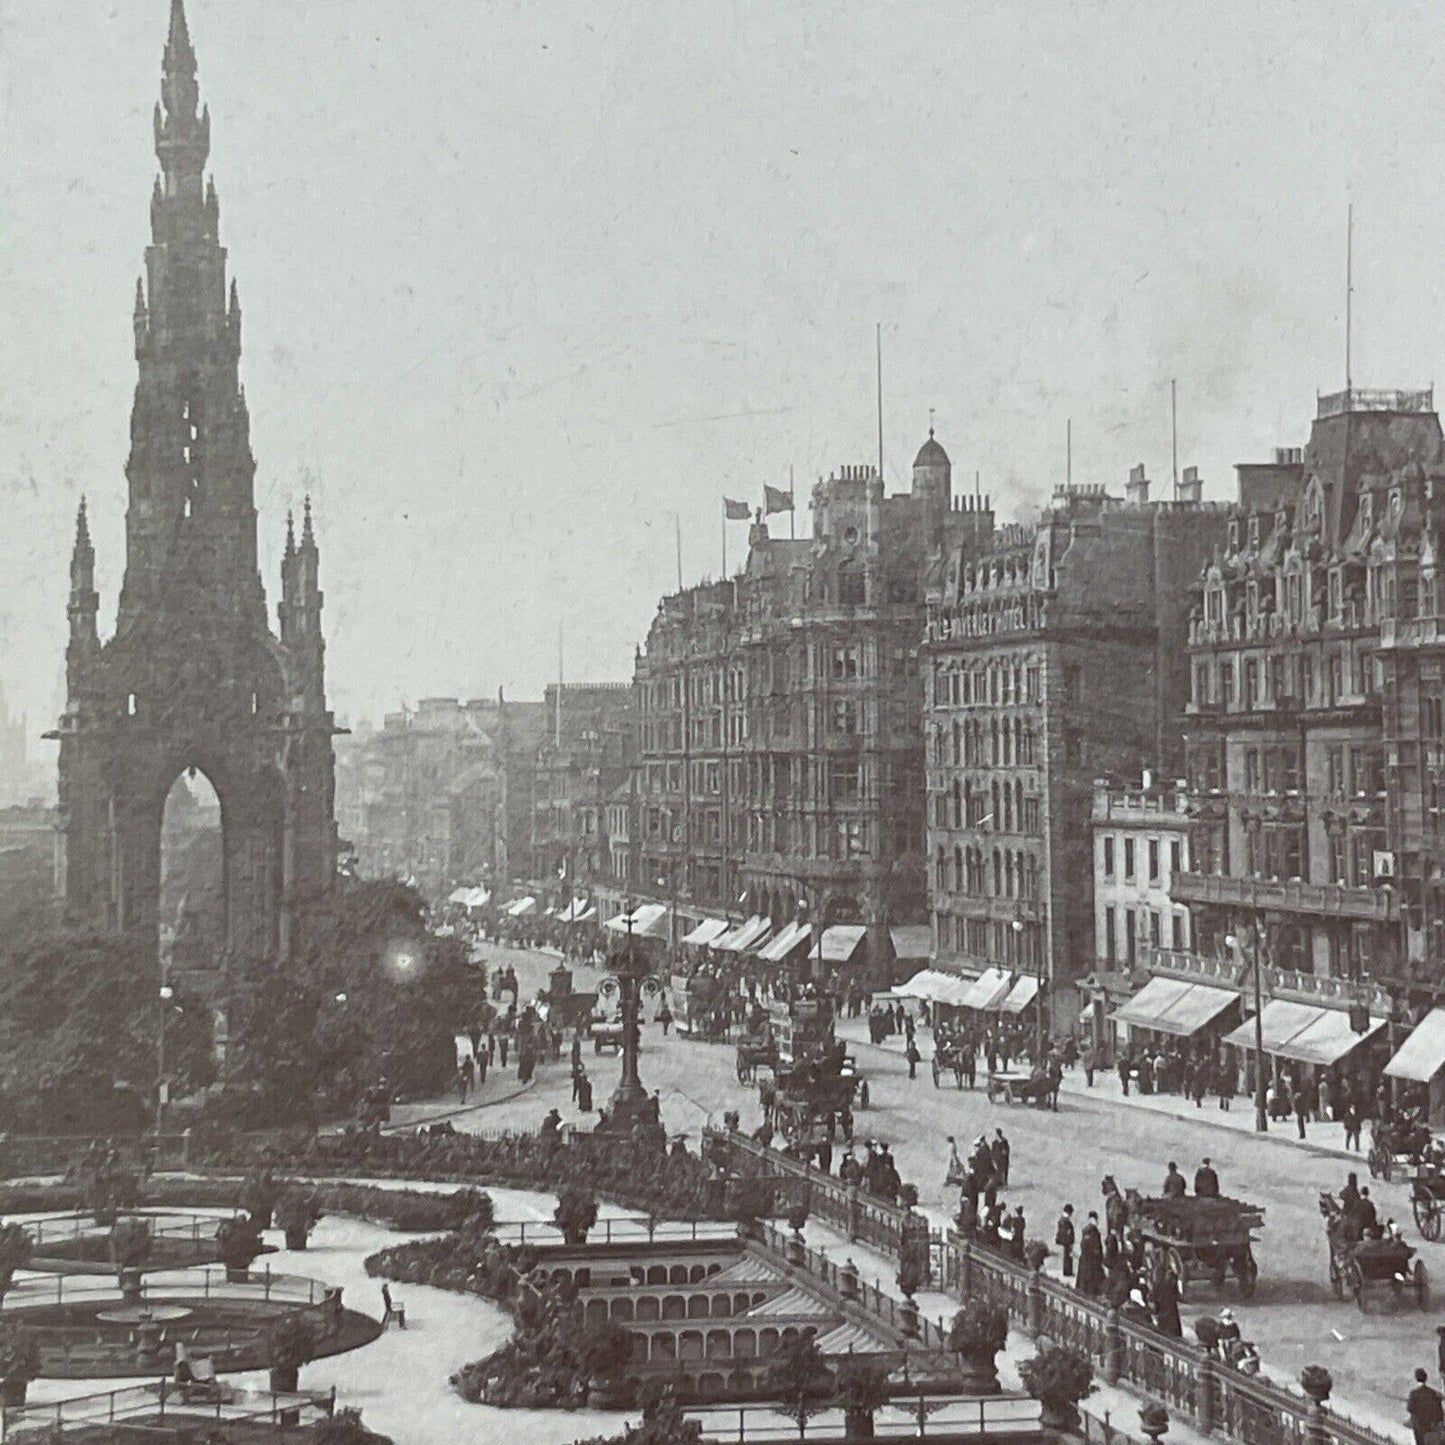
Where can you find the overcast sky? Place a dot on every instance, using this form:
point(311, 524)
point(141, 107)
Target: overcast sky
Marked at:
point(522, 280)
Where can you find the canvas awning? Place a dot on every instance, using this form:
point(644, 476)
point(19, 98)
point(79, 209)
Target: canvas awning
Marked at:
point(1279, 1022)
point(649, 920)
point(459, 895)
point(986, 990)
point(586, 916)
point(706, 931)
point(1328, 1039)
point(840, 942)
point(747, 935)
point(783, 943)
point(1023, 992)
point(934, 986)
point(911, 941)
point(521, 907)
point(1422, 1055)
point(573, 911)
point(1174, 1006)
point(478, 898)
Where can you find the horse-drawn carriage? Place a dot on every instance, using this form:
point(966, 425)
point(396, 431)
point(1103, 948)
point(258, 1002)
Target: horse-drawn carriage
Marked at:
point(952, 1054)
point(1201, 1238)
point(1362, 1265)
point(1397, 1144)
point(1039, 1088)
point(606, 1034)
point(756, 1051)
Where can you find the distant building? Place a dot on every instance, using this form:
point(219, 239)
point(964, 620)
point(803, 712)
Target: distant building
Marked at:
point(22, 781)
point(1051, 660)
point(443, 793)
point(585, 756)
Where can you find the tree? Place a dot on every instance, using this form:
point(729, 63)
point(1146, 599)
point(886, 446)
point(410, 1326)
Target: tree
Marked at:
point(576, 1212)
point(79, 1015)
point(800, 1380)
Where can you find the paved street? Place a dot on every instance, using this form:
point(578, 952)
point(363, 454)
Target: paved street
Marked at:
point(1062, 1157)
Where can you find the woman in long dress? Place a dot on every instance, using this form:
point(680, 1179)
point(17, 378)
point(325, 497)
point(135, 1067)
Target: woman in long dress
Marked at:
point(1090, 1279)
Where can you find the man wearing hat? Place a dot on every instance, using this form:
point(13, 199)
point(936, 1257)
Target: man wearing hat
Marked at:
point(1091, 1257)
point(1440, 1351)
point(1206, 1181)
point(1424, 1407)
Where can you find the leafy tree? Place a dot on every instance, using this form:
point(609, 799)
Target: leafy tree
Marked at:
point(79, 1015)
point(862, 1390)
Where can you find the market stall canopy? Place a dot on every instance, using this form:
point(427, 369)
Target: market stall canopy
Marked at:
point(459, 895)
point(521, 907)
point(746, 935)
point(1422, 1055)
point(1174, 1006)
point(986, 990)
point(647, 920)
point(1280, 1021)
point(840, 942)
point(784, 942)
point(1025, 989)
point(573, 911)
point(478, 898)
point(706, 931)
point(911, 941)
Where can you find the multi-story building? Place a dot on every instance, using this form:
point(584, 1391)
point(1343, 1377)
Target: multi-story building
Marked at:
point(1051, 660)
point(780, 765)
point(584, 758)
point(442, 793)
point(1141, 843)
point(1316, 685)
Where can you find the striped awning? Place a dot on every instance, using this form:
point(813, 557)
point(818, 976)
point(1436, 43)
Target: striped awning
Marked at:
point(987, 989)
point(792, 935)
point(1422, 1055)
point(706, 931)
point(1174, 1006)
point(840, 942)
point(1024, 990)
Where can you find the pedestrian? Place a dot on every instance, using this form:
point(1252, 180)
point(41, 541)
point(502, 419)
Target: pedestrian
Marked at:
point(1353, 1123)
point(1091, 1258)
point(1424, 1407)
point(825, 1157)
point(584, 1093)
point(483, 1062)
point(1064, 1238)
point(913, 1057)
point(1016, 1238)
point(1087, 1059)
point(1322, 1102)
point(664, 1017)
point(502, 1049)
point(1164, 1293)
point(1202, 1072)
point(1123, 1067)
point(1228, 1081)
point(1206, 1181)
point(1301, 1109)
point(1000, 1152)
point(1440, 1351)
point(1174, 1185)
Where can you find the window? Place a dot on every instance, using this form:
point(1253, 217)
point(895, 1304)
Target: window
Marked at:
point(850, 587)
point(1251, 683)
point(1226, 683)
point(1176, 851)
point(1176, 941)
point(845, 780)
point(1129, 860)
point(1335, 769)
point(1251, 770)
point(845, 662)
point(1131, 937)
point(1153, 860)
point(1110, 946)
point(845, 715)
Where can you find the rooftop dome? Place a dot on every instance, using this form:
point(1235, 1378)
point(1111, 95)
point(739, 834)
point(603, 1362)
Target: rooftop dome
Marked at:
point(931, 454)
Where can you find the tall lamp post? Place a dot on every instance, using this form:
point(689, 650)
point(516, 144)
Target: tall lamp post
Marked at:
point(633, 977)
point(167, 993)
point(1261, 1118)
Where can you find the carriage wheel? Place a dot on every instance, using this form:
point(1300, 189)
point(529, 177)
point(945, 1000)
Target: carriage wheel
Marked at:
point(1422, 1285)
point(1248, 1272)
point(1355, 1282)
point(1337, 1282)
point(935, 1073)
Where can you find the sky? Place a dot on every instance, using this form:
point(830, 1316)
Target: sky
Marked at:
point(527, 286)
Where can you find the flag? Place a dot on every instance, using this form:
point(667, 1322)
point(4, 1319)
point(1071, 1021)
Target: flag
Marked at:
point(775, 499)
point(735, 511)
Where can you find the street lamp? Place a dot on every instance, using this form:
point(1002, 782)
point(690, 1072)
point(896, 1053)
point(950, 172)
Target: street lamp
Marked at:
point(1261, 1118)
point(167, 993)
point(633, 976)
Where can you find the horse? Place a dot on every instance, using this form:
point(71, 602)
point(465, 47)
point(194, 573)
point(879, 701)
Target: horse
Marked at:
point(1116, 1207)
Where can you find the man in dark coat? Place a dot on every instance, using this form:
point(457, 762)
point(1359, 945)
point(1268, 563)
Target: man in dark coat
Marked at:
point(1000, 1152)
point(1174, 1185)
point(1206, 1181)
point(1064, 1238)
point(1091, 1258)
point(1424, 1407)
point(1164, 1294)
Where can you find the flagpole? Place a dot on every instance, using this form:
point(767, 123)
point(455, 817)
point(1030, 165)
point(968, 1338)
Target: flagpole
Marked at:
point(792, 508)
point(677, 532)
point(725, 542)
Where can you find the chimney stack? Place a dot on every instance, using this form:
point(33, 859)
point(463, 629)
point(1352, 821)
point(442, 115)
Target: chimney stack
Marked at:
point(1191, 488)
point(1137, 490)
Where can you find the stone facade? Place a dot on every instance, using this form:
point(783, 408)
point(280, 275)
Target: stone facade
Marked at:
point(780, 759)
point(1314, 725)
point(585, 756)
point(1050, 661)
point(193, 676)
point(442, 794)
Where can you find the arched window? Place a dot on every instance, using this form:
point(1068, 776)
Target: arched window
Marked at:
point(997, 874)
point(940, 869)
point(958, 882)
point(957, 804)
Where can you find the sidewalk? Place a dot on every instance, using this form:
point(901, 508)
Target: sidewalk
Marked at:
point(1325, 1140)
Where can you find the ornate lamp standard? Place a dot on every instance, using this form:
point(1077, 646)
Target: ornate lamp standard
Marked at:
point(1261, 1116)
point(631, 976)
